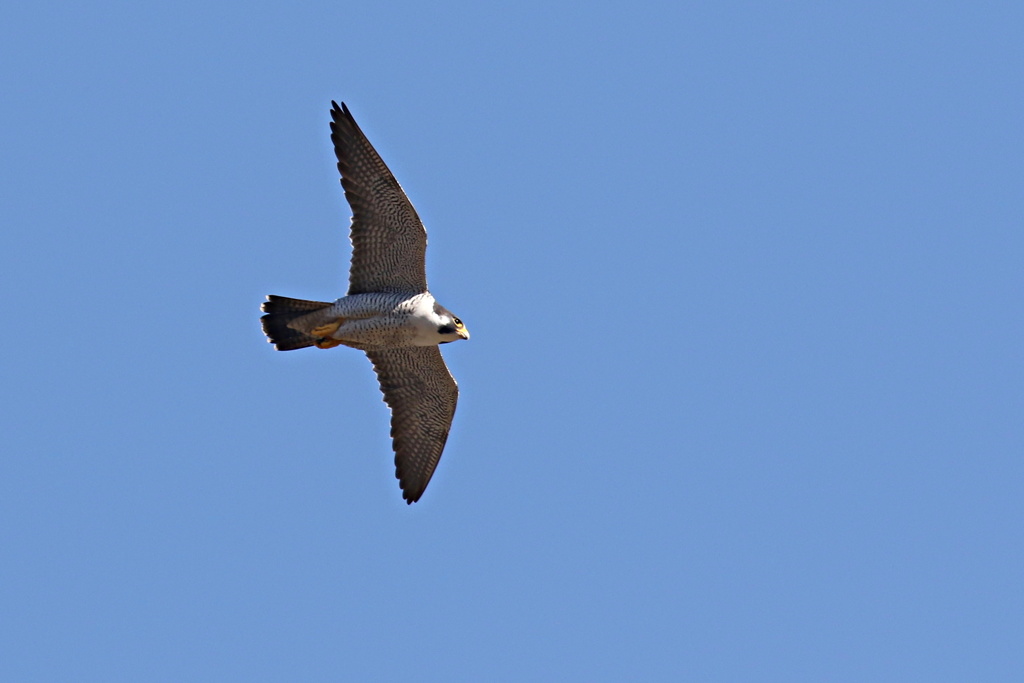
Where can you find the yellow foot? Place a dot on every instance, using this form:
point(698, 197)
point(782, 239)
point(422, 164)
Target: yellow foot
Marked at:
point(323, 334)
point(326, 330)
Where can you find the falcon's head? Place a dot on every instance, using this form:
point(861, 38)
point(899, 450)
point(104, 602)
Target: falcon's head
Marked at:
point(450, 328)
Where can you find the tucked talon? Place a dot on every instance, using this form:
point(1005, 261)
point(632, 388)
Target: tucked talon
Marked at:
point(326, 330)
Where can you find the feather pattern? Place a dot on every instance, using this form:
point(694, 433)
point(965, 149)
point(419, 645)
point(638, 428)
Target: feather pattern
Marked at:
point(389, 242)
point(422, 395)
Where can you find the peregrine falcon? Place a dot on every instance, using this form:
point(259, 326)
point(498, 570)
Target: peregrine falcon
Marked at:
point(388, 312)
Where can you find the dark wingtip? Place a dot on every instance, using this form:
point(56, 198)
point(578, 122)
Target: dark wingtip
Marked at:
point(409, 494)
point(340, 112)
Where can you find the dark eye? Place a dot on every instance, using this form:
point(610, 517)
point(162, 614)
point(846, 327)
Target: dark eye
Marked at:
point(458, 323)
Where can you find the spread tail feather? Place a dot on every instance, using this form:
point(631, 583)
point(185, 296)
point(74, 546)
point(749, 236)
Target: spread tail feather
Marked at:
point(280, 311)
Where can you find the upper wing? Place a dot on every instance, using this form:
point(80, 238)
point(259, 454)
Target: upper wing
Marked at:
point(422, 395)
point(389, 243)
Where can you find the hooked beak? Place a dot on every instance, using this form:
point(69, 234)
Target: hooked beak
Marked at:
point(463, 333)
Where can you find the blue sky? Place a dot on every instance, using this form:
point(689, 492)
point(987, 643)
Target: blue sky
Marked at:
point(745, 390)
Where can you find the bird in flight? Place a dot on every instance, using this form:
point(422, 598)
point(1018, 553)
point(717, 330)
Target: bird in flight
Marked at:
point(388, 312)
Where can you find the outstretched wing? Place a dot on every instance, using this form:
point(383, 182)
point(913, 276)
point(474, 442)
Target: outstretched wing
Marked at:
point(389, 242)
point(422, 395)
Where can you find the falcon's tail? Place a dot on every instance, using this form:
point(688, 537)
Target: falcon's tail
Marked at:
point(280, 310)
